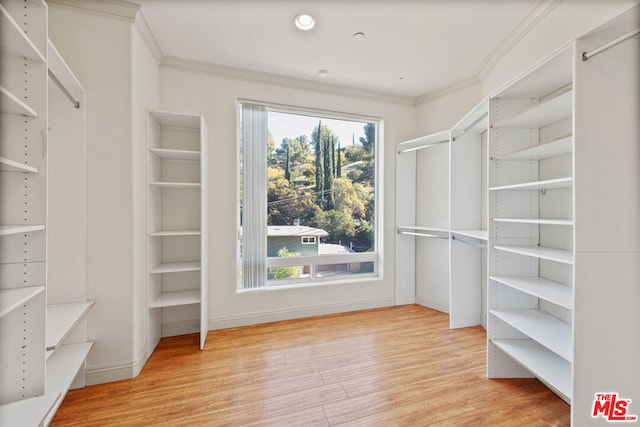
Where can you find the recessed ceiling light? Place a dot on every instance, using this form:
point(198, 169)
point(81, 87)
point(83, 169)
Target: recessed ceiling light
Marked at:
point(323, 73)
point(359, 35)
point(304, 21)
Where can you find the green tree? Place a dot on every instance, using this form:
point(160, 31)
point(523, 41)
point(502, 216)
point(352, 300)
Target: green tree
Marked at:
point(271, 150)
point(339, 163)
point(286, 272)
point(316, 137)
point(287, 172)
point(368, 142)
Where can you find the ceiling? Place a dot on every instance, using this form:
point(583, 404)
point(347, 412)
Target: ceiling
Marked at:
point(411, 48)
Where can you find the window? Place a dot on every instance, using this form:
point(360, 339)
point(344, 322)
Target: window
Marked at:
point(307, 196)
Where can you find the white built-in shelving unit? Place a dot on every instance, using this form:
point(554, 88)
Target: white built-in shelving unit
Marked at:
point(543, 204)
point(531, 231)
point(43, 278)
point(176, 224)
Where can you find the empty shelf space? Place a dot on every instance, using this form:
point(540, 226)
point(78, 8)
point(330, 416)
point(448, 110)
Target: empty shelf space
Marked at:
point(9, 103)
point(6, 230)
point(545, 150)
point(176, 267)
point(62, 368)
point(10, 299)
point(549, 184)
point(540, 221)
point(539, 287)
point(551, 254)
point(544, 364)
point(542, 327)
point(176, 185)
point(175, 233)
point(8, 165)
point(28, 412)
point(13, 40)
point(423, 228)
point(171, 154)
point(62, 319)
point(476, 234)
point(170, 299)
point(540, 115)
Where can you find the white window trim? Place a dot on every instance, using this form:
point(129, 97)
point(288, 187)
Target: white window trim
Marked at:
point(376, 256)
point(308, 240)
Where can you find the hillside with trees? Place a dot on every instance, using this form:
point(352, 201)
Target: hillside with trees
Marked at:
point(326, 184)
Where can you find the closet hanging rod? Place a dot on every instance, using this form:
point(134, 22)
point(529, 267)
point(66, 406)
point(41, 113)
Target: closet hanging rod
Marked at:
point(475, 122)
point(594, 52)
point(420, 147)
point(469, 242)
point(64, 90)
point(411, 233)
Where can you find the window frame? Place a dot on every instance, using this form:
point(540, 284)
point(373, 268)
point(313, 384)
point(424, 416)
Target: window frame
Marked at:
point(373, 256)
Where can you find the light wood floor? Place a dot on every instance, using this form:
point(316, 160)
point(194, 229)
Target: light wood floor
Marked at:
point(398, 366)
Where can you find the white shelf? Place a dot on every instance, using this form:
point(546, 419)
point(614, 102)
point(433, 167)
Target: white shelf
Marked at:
point(539, 221)
point(6, 230)
point(8, 165)
point(176, 120)
point(539, 287)
point(14, 42)
point(175, 233)
point(62, 319)
point(549, 184)
point(544, 364)
point(176, 185)
point(28, 412)
point(170, 154)
point(543, 114)
point(542, 327)
point(551, 254)
point(9, 103)
point(170, 299)
point(10, 299)
point(476, 234)
point(62, 368)
point(545, 150)
point(176, 267)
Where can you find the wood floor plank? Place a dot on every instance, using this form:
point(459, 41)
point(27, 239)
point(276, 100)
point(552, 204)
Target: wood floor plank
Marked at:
point(392, 366)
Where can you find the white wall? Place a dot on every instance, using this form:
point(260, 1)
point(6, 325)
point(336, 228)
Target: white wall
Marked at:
point(216, 97)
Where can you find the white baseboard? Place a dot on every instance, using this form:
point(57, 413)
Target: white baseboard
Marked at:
point(431, 303)
point(275, 316)
point(109, 373)
point(184, 327)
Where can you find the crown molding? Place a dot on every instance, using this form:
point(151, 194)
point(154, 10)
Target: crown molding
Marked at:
point(537, 13)
point(148, 37)
point(455, 87)
point(280, 80)
point(113, 8)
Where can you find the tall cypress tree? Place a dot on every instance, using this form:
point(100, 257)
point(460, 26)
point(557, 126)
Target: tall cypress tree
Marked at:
point(339, 163)
point(287, 172)
point(328, 174)
point(319, 168)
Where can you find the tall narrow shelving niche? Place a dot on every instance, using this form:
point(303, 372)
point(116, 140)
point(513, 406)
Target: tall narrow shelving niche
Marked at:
point(177, 290)
point(67, 291)
point(530, 296)
point(468, 210)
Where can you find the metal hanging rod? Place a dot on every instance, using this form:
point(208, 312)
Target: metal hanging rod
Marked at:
point(64, 90)
point(587, 55)
point(411, 233)
point(420, 147)
point(469, 242)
